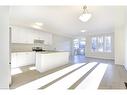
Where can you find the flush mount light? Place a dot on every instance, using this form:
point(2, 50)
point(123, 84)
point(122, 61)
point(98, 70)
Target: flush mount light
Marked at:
point(83, 31)
point(36, 27)
point(85, 16)
point(39, 24)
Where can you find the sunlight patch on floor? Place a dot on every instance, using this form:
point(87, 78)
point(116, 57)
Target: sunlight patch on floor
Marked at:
point(32, 68)
point(92, 81)
point(66, 82)
point(44, 80)
point(94, 78)
point(16, 71)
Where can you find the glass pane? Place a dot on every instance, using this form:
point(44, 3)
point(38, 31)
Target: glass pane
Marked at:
point(100, 44)
point(107, 44)
point(94, 43)
point(82, 46)
point(76, 43)
point(79, 46)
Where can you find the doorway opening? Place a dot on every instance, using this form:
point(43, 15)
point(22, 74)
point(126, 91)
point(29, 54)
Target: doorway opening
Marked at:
point(79, 46)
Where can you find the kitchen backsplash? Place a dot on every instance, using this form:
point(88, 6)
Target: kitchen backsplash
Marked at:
point(21, 47)
point(15, 47)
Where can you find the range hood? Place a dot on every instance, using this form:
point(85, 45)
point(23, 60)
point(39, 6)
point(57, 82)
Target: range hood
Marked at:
point(38, 45)
point(38, 41)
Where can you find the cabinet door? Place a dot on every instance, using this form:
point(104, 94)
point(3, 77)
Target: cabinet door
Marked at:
point(30, 58)
point(18, 35)
point(23, 36)
point(13, 60)
point(15, 35)
point(48, 39)
point(18, 60)
point(29, 36)
point(36, 35)
point(26, 58)
point(22, 59)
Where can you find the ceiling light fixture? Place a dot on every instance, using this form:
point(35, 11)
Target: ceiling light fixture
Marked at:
point(83, 31)
point(85, 16)
point(39, 24)
point(36, 27)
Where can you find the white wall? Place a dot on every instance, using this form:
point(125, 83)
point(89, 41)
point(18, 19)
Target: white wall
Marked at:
point(119, 30)
point(61, 43)
point(88, 51)
point(125, 40)
point(119, 45)
point(125, 48)
point(4, 47)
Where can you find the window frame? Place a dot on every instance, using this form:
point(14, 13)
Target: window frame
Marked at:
point(103, 37)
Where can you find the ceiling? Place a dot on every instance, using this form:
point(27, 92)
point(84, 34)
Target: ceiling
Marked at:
point(64, 19)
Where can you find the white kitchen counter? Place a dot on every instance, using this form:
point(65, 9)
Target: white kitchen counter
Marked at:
point(49, 60)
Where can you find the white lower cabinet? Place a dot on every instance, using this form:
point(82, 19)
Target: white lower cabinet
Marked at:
point(19, 59)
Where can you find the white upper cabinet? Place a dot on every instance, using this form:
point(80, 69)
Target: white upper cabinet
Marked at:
point(48, 40)
point(27, 36)
point(20, 35)
point(16, 35)
point(47, 37)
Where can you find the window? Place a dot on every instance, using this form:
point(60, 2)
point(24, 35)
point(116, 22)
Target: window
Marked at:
point(101, 44)
point(82, 44)
point(76, 43)
point(79, 46)
point(107, 45)
point(94, 43)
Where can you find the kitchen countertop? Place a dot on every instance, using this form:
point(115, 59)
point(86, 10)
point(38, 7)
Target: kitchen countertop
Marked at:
point(43, 52)
point(48, 52)
point(20, 51)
